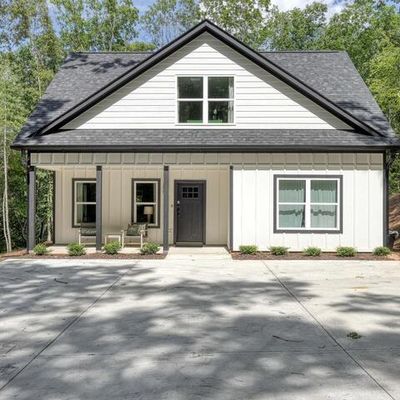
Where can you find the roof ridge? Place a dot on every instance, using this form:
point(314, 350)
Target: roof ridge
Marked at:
point(111, 52)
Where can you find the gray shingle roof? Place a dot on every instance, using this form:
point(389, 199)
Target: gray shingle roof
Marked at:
point(206, 139)
point(331, 74)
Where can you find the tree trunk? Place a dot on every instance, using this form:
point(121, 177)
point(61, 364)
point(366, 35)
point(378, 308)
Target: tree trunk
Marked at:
point(6, 219)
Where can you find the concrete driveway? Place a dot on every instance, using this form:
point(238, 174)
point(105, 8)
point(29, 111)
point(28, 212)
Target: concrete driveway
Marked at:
point(192, 329)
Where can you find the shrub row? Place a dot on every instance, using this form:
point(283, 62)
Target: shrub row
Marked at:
point(342, 251)
point(111, 248)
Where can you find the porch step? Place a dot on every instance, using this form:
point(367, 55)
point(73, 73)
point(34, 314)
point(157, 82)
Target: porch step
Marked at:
point(198, 253)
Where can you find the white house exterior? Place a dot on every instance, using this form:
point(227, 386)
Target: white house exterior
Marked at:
point(224, 146)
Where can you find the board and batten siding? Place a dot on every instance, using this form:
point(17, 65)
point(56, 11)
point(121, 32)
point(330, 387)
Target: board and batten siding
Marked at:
point(261, 100)
point(117, 199)
point(253, 201)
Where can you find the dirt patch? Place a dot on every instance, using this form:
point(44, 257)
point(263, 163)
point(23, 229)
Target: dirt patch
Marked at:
point(261, 255)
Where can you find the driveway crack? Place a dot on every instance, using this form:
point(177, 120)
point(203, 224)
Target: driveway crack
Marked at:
point(327, 332)
point(66, 327)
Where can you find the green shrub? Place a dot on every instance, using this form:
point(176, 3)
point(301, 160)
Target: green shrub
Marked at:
point(381, 251)
point(76, 249)
point(150, 248)
point(346, 251)
point(248, 249)
point(41, 249)
point(312, 251)
point(112, 248)
point(278, 250)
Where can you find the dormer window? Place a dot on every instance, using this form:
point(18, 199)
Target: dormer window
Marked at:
point(205, 99)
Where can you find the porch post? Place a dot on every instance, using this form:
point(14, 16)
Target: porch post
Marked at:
point(31, 207)
point(165, 208)
point(386, 166)
point(99, 178)
point(231, 207)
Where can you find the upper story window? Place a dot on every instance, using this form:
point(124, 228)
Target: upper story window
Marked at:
point(205, 100)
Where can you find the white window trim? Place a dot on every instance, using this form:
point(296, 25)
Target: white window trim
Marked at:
point(76, 203)
point(308, 203)
point(204, 99)
point(155, 203)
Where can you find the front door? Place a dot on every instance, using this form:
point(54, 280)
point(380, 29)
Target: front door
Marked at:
point(189, 212)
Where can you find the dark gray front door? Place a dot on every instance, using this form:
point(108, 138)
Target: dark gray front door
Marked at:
point(189, 212)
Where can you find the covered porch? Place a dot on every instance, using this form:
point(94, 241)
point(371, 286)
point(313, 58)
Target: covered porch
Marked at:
point(184, 202)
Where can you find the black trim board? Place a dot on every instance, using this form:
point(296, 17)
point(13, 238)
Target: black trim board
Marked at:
point(240, 47)
point(321, 231)
point(133, 200)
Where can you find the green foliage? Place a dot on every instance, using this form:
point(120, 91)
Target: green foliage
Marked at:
point(279, 250)
point(297, 28)
point(41, 249)
point(345, 251)
point(166, 19)
point(381, 251)
point(312, 251)
point(76, 249)
point(112, 248)
point(248, 249)
point(96, 24)
point(150, 248)
point(354, 335)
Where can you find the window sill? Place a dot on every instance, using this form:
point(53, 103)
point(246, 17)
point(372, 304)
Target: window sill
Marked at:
point(335, 231)
point(202, 124)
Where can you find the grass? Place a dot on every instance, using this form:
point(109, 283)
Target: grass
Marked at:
point(150, 248)
point(381, 251)
point(248, 249)
point(112, 248)
point(346, 251)
point(76, 249)
point(279, 250)
point(312, 251)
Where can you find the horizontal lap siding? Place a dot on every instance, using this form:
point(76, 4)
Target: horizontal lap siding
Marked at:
point(261, 100)
point(362, 201)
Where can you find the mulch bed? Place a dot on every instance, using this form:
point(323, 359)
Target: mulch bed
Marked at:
point(95, 256)
point(261, 255)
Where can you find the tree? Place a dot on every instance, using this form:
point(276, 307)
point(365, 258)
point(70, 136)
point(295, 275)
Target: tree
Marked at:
point(11, 118)
point(167, 19)
point(104, 25)
point(363, 28)
point(246, 19)
point(296, 29)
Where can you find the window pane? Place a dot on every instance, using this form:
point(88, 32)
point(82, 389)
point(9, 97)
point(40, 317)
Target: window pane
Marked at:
point(143, 214)
point(86, 191)
point(292, 191)
point(190, 87)
point(291, 216)
point(323, 216)
point(145, 192)
point(220, 112)
point(220, 87)
point(191, 112)
point(86, 214)
point(323, 191)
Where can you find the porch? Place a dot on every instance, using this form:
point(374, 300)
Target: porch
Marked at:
point(109, 197)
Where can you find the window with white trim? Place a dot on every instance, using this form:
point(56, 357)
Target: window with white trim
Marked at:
point(308, 203)
point(84, 202)
point(205, 99)
point(146, 202)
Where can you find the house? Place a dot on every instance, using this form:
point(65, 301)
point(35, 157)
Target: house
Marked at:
point(214, 143)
